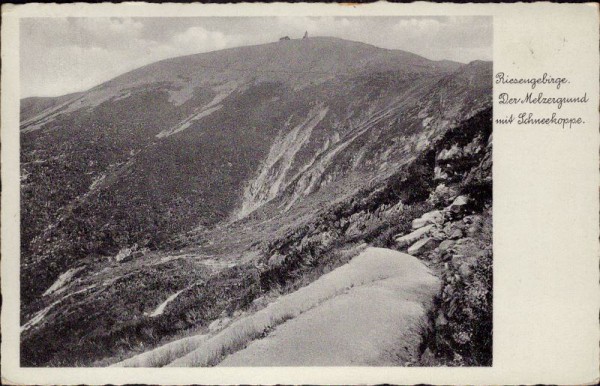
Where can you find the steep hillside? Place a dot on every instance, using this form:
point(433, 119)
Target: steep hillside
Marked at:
point(174, 179)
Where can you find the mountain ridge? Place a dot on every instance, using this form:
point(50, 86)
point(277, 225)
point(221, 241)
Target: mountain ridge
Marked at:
point(273, 45)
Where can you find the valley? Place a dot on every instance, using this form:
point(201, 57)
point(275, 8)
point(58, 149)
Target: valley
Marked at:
point(167, 209)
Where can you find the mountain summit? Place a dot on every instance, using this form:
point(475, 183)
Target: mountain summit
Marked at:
point(297, 62)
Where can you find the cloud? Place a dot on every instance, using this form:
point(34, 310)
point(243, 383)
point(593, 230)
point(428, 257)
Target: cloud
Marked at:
point(460, 39)
point(199, 39)
point(106, 32)
point(51, 31)
point(446, 32)
point(65, 69)
point(85, 32)
point(418, 25)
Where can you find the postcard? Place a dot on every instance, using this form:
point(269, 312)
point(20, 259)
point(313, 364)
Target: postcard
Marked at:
point(300, 193)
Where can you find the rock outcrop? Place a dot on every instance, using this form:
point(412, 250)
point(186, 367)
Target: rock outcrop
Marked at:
point(414, 236)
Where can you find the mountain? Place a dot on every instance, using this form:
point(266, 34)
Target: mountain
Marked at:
point(185, 174)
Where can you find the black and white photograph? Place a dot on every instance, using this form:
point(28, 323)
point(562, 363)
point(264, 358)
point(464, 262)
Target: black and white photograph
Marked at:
point(256, 191)
point(302, 194)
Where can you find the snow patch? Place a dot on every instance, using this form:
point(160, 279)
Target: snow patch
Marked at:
point(97, 181)
point(273, 173)
point(161, 308)
point(311, 176)
point(36, 122)
point(188, 121)
point(123, 95)
point(426, 121)
point(62, 280)
point(181, 96)
point(40, 315)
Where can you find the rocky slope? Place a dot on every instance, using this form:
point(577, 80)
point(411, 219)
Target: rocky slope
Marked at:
point(215, 176)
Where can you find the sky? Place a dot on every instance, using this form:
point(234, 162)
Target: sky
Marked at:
point(63, 55)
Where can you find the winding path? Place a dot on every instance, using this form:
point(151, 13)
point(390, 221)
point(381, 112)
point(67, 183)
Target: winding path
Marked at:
point(374, 324)
point(369, 312)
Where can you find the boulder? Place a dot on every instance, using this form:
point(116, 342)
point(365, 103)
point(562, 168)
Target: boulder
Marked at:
point(441, 320)
point(433, 217)
point(473, 219)
point(422, 246)
point(448, 154)
point(445, 245)
point(449, 228)
point(394, 211)
point(456, 234)
point(356, 216)
point(473, 230)
point(343, 222)
point(137, 254)
point(457, 260)
point(419, 223)
point(124, 255)
point(410, 238)
point(442, 195)
point(465, 241)
point(427, 357)
point(437, 233)
point(458, 204)
point(448, 291)
point(360, 223)
point(438, 174)
point(473, 147)
point(485, 254)
point(465, 270)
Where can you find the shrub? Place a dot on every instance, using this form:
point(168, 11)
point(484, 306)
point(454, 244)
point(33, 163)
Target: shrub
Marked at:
point(480, 193)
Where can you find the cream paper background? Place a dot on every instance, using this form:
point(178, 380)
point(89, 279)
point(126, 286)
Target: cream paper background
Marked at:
point(546, 223)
